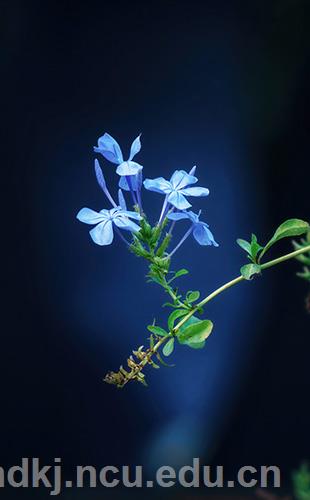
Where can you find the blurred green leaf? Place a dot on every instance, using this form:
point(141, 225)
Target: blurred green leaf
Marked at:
point(301, 482)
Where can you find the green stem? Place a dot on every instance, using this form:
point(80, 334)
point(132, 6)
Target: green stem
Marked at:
point(170, 291)
point(233, 282)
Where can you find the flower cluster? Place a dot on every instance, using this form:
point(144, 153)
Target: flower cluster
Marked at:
point(152, 243)
point(176, 191)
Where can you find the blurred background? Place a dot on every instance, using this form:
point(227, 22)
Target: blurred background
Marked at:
point(220, 84)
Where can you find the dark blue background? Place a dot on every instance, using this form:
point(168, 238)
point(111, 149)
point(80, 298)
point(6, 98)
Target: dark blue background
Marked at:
point(224, 85)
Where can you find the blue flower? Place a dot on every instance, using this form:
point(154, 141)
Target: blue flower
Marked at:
point(201, 231)
point(110, 149)
point(102, 234)
point(177, 188)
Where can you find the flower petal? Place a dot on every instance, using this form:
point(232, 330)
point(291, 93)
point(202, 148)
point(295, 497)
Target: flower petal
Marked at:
point(180, 179)
point(126, 224)
point(135, 147)
point(112, 212)
point(159, 185)
point(89, 216)
point(195, 191)
point(99, 176)
point(103, 233)
point(109, 148)
point(194, 217)
point(128, 168)
point(184, 215)
point(178, 200)
point(192, 171)
point(178, 215)
point(121, 199)
point(203, 235)
point(131, 214)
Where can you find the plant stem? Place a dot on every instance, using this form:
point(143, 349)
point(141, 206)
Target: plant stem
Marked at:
point(170, 291)
point(154, 350)
point(288, 256)
point(233, 282)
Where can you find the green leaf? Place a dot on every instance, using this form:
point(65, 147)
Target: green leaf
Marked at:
point(305, 275)
point(301, 482)
point(154, 365)
point(289, 228)
point(192, 296)
point(303, 259)
point(178, 274)
point(245, 245)
point(191, 321)
point(249, 270)
point(195, 334)
point(181, 272)
point(255, 247)
point(157, 330)
point(252, 248)
point(162, 362)
point(168, 347)
point(178, 313)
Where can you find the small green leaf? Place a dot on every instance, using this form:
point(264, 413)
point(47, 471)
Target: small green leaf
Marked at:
point(178, 274)
point(162, 362)
point(169, 304)
point(157, 330)
point(305, 275)
point(168, 347)
point(289, 228)
point(196, 333)
point(249, 270)
point(252, 248)
point(245, 245)
point(178, 313)
point(181, 272)
point(154, 365)
point(303, 259)
point(255, 247)
point(192, 296)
